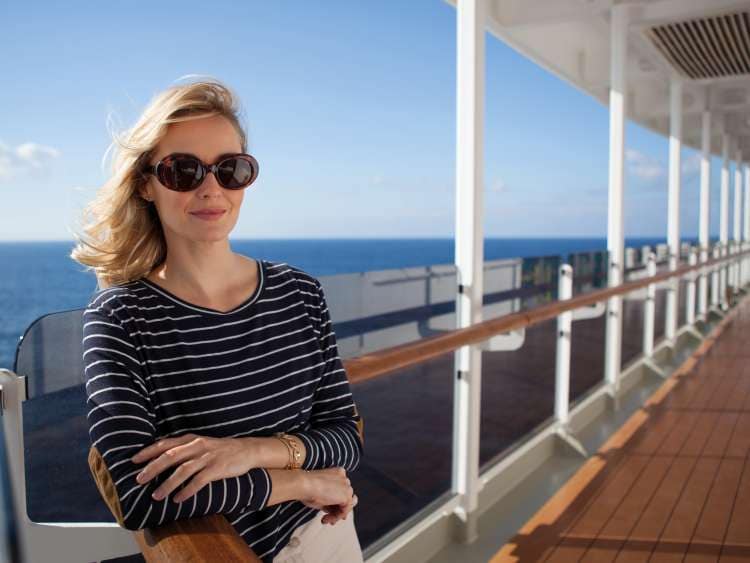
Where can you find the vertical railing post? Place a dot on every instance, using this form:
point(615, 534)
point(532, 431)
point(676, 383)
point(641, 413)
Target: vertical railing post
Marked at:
point(690, 290)
point(715, 278)
point(649, 309)
point(562, 358)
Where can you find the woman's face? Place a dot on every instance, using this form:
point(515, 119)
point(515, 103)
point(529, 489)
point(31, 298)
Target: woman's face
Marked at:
point(208, 138)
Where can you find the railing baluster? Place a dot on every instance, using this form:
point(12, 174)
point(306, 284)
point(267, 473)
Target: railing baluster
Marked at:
point(649, 309)
point(715, 279)
point(562, 359)
point(690, 291)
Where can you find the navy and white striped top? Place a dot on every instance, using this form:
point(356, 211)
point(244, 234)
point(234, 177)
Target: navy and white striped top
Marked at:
point(157, 366)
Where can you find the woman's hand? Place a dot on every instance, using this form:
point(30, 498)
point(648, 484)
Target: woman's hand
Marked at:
point(330, 490)
point(203, 458)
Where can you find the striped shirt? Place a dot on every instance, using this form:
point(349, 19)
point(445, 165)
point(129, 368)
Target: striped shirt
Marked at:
point(157, 366)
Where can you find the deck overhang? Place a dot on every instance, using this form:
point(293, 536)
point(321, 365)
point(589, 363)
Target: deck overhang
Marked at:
point(571, 39)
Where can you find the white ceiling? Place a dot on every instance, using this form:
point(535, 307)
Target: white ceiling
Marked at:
point(571, 38)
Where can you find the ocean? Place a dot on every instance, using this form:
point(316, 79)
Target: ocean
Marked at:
point(39, 277)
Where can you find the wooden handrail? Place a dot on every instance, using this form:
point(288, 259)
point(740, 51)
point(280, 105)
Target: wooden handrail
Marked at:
point(209, 538)
point(399, 357)
point(213, 537)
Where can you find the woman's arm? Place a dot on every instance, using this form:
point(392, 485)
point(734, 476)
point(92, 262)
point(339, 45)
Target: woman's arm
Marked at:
point(122, 422)
point(333, 438)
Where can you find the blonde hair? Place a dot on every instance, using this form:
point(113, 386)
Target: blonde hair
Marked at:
point(122, 238)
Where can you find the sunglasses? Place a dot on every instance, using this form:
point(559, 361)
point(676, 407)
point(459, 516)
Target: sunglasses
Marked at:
point(185, 172)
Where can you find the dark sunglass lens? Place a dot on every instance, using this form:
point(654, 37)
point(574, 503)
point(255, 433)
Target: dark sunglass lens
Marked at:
point(188, 173)
point(235, 173)
point(182, 173)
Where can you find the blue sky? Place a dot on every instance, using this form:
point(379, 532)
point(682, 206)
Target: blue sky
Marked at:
point(350, 108)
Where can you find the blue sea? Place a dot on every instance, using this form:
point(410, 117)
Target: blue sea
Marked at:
point(39, 277)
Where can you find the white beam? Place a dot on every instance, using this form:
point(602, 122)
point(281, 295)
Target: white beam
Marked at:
point(724, 213)
point(615, 230)
point(705, 199)
point(469, 253)
point(673, 212)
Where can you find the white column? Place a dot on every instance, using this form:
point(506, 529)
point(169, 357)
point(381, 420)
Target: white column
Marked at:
point(673, 213)
point(724, 214)
point(703, 233)
point(737, 233)
point(615, 231)
point(746, 226)
point(470, 83)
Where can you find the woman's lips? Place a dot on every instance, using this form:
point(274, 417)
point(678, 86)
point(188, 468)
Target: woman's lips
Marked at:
point(208, 215)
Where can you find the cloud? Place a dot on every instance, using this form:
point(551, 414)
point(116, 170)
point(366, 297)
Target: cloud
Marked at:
point(497, 186)
point(691, 165)
point(25, 158)
point(643, 166)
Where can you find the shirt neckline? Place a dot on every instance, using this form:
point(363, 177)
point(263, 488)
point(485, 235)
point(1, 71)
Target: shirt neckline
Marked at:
point(261, 266)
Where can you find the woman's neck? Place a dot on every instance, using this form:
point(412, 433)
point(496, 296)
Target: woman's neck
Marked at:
point(201, 270)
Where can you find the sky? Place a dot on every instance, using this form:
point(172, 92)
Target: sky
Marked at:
point(350, 110)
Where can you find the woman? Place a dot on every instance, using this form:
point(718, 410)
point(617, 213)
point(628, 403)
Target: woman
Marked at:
point(213, 380)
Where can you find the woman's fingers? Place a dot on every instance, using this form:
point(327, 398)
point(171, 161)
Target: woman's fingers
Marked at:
point(180, 475)
point(196, 484)
point(158, 448)
point(176, 454)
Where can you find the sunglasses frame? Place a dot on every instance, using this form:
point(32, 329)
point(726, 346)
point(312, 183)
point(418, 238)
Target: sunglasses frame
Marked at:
point(206, 168)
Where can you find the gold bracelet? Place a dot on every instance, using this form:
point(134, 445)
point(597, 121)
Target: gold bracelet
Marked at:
point(295, 456)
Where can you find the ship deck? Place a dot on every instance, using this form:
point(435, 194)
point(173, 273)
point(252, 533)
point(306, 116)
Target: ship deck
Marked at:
point(672, 484)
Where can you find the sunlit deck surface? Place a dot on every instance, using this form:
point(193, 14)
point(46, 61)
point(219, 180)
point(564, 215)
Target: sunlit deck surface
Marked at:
point(673, 483)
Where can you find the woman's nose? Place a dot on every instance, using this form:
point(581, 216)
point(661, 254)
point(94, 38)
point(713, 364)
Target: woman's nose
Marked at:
point(210, 187)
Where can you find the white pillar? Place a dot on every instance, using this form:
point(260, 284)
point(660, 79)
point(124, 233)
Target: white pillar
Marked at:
point(615, 231)
point(673, 214)
point(746, 226)
point(724, 214)
point(470, 93)
point(737, 233)
point(703, 232)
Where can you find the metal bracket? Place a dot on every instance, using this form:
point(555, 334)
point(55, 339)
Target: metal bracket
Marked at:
point(590, 312)
point(506, 342)
point(564, 433)
point(650, 364)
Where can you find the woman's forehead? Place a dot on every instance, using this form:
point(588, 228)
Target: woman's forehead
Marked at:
point(205, 137)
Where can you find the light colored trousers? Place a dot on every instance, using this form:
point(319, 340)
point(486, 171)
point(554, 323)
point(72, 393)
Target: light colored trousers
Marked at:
point(314, 542)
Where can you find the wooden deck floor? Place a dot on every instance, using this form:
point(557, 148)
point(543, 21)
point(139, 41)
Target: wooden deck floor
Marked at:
point(673, 484)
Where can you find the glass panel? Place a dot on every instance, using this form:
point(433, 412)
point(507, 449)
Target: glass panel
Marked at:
point(408, 422)
point(408, 415)
point(59, 487)
point(528, 372)
point(8, 538)
point(518, 389)
point(587, 341)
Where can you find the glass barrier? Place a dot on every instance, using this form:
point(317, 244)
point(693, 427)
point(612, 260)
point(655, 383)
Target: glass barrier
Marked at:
point(518, 391)
point(59, 487)
point(9, 549)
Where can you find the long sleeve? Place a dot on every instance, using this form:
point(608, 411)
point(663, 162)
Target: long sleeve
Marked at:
point(122, 421)
point(332, 439)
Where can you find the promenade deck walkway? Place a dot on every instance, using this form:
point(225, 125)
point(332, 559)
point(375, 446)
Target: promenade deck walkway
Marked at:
point(673, 484)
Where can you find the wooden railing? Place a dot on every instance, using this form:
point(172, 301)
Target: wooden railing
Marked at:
point(212, 538)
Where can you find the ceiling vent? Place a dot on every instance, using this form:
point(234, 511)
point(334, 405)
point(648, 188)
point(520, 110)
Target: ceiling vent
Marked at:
point(713, 47)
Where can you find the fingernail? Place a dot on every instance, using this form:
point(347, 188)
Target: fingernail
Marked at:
point(139, 477)
point(156, 495)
